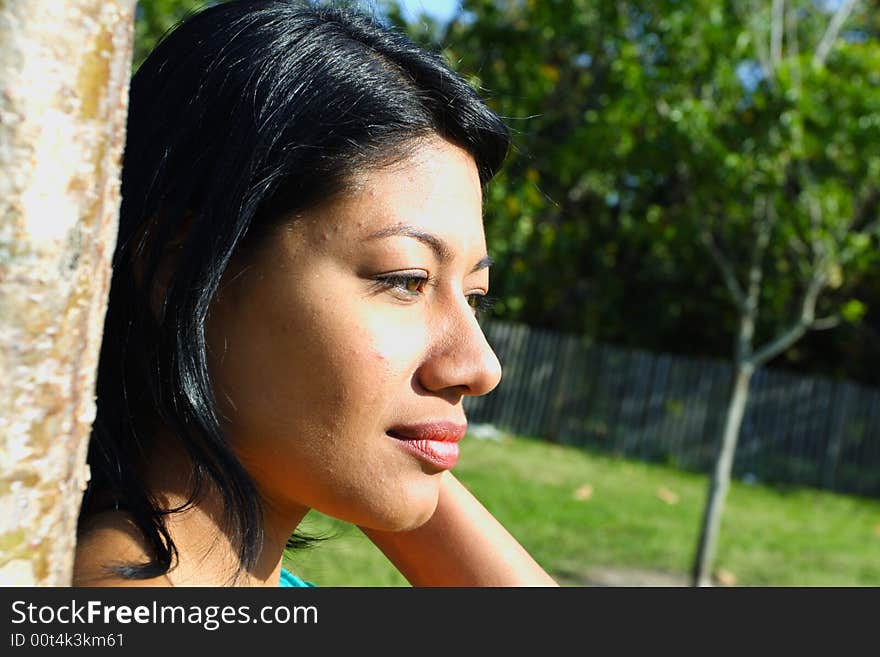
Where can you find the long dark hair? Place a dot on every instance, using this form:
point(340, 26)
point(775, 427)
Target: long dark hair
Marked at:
point(245, 113)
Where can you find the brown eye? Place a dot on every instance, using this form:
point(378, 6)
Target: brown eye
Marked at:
point(404, 284)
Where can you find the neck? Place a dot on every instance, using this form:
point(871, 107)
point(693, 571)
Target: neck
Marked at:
point(207, 553)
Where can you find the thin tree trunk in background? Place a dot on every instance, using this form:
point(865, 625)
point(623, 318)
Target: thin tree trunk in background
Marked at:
point(64, 73)
point(720, 482)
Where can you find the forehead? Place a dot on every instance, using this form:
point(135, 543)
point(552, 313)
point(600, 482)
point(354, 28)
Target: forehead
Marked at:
point(435, 189)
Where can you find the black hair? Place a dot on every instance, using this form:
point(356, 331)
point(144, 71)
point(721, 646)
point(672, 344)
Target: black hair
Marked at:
point(244, 114)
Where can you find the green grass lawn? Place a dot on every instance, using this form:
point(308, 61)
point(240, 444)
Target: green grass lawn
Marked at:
point(576, 511)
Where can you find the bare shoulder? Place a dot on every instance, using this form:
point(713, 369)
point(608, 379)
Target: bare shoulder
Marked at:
point(107, 539)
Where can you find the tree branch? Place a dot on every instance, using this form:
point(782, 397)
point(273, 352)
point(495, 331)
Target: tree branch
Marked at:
point(798, 245)
point(780, 344)
point(747, 15)
point(831, 33)
point(764, 227)
point(798, 328)
point(793, 47)
point(825, 323)
point(866, 215)
point(776, 21)
point(815, 210)
point(727, 273)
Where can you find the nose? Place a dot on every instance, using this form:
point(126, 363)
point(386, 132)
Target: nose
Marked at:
point(461, 360)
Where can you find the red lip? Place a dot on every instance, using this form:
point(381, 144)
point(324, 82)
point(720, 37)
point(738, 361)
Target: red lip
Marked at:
point(435, 443)
point(443, 431)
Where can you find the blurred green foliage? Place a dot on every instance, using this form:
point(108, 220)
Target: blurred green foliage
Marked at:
point(637, 127)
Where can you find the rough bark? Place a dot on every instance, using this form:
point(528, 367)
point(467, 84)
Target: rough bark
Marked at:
point(64, 72)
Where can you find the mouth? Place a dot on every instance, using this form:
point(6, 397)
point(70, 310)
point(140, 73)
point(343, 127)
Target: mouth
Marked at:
point(435, 443)
point(442, 431)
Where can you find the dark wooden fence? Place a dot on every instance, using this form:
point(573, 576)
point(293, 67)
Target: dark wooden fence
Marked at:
point(665, 408)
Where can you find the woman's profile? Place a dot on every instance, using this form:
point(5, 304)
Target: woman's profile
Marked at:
point(292, 316)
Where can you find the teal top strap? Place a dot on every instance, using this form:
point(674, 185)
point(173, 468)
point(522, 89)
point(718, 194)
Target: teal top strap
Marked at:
point(289, 579)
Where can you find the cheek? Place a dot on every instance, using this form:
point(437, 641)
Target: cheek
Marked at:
point(398, 349)
point(394, 348)
point(372, 361)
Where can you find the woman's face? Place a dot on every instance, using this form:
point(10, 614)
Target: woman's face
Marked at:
point(336, 353)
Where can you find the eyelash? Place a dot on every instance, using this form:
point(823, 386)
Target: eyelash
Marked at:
point(483, 303)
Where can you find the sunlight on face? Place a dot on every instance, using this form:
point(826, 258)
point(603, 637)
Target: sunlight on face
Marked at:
point(355, 320)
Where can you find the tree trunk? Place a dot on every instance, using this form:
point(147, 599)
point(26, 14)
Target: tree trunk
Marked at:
point(720, 482)
point(64, 72)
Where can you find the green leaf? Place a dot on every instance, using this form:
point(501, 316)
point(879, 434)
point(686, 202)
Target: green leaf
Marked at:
point(853, 311)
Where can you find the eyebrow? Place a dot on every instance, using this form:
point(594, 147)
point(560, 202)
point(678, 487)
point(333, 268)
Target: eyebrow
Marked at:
point(437, 245)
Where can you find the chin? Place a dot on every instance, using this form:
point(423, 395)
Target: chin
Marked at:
point(407, 508)
point(413, 519)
